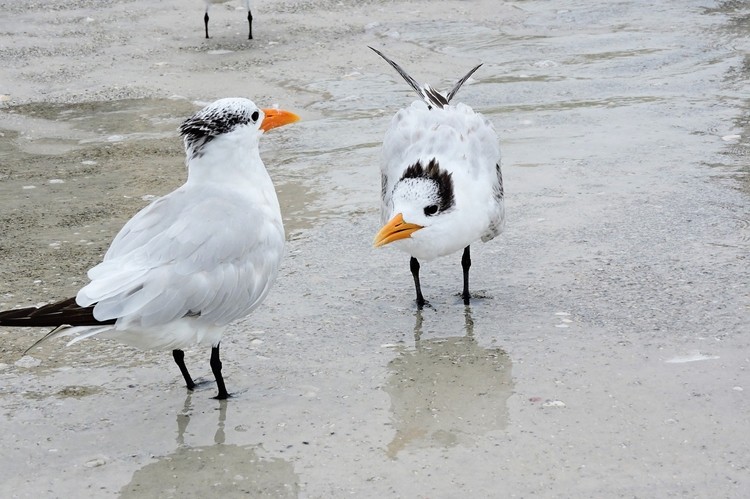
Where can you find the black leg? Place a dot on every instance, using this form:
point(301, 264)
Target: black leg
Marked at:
point(179, 358)
point(414, 266)
point(250, 24)
point(216, 368)
point(205, 21)
point(466, 263)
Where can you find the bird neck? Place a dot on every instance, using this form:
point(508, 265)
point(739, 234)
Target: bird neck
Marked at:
point(220, 162)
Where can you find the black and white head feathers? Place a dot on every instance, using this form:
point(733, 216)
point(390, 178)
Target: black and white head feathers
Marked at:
point(218, 118)
point(441, 181)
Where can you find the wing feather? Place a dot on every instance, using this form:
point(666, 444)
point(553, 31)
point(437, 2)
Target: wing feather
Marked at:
point(178, 257)
point(460, 82)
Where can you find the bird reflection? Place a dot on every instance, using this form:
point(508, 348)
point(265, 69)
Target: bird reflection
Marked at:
point(183, 418)
point(218, 470)
point(447, 391)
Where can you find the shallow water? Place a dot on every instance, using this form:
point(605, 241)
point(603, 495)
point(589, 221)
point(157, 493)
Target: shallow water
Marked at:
point(604, 354)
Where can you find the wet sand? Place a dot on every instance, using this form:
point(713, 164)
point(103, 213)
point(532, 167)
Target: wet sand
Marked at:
point(605, 353)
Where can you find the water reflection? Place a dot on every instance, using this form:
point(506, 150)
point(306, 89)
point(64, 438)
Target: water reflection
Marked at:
point(447, 391)
point(737, 149)
point(219, 470)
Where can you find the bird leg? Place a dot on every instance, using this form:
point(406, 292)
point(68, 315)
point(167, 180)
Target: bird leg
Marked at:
point(216, 368)
point(414, 266)
point(179, 358)
point(205, 21)
point(466, 263)
point(250, 24)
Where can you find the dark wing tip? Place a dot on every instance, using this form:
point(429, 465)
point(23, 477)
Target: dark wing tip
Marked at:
point(63, 313)
point(460, 82)
point(430, 96)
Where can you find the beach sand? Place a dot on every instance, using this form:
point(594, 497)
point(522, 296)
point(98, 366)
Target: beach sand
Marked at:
point(604, 354)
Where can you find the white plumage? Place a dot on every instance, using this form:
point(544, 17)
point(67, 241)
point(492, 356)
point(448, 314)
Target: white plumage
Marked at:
point(442, 186)
point(464, 145)
point(194, 260)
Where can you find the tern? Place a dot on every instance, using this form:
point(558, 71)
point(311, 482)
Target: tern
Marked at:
point(441, 184)
point(193, 261)
point(249, 16)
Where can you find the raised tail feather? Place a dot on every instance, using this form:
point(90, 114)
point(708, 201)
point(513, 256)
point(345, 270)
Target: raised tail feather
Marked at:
point(432, 97)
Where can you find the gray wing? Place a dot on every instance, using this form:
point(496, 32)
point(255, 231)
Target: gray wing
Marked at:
point(187, 254)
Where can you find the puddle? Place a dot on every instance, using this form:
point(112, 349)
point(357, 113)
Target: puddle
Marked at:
point(55, 129)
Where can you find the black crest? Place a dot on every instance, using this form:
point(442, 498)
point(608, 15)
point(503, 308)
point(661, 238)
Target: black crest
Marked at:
point(442, 179)
point(210, 125)
point(212, 121)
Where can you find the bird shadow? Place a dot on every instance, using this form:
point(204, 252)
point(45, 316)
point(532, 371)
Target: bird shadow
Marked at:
point(448, 390)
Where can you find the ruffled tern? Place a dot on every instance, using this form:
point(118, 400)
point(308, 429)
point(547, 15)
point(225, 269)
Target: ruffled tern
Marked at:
point(442, 188)
point(193, 261)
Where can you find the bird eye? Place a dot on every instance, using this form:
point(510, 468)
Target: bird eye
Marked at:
point(255, 116)
point(431, 210)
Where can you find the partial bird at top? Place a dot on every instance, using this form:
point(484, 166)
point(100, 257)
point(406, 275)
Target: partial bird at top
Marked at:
point(249, 16)
point(193, 261)
point(442, 188)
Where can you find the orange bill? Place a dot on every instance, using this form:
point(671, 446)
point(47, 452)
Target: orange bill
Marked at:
point(394, 230)
point(276, 118)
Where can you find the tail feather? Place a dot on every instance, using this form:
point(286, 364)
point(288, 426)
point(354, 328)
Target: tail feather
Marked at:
point(78, 332)
point(62, 313)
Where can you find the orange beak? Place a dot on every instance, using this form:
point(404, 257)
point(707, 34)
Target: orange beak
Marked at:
point(394, 230)
point(277, 117)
